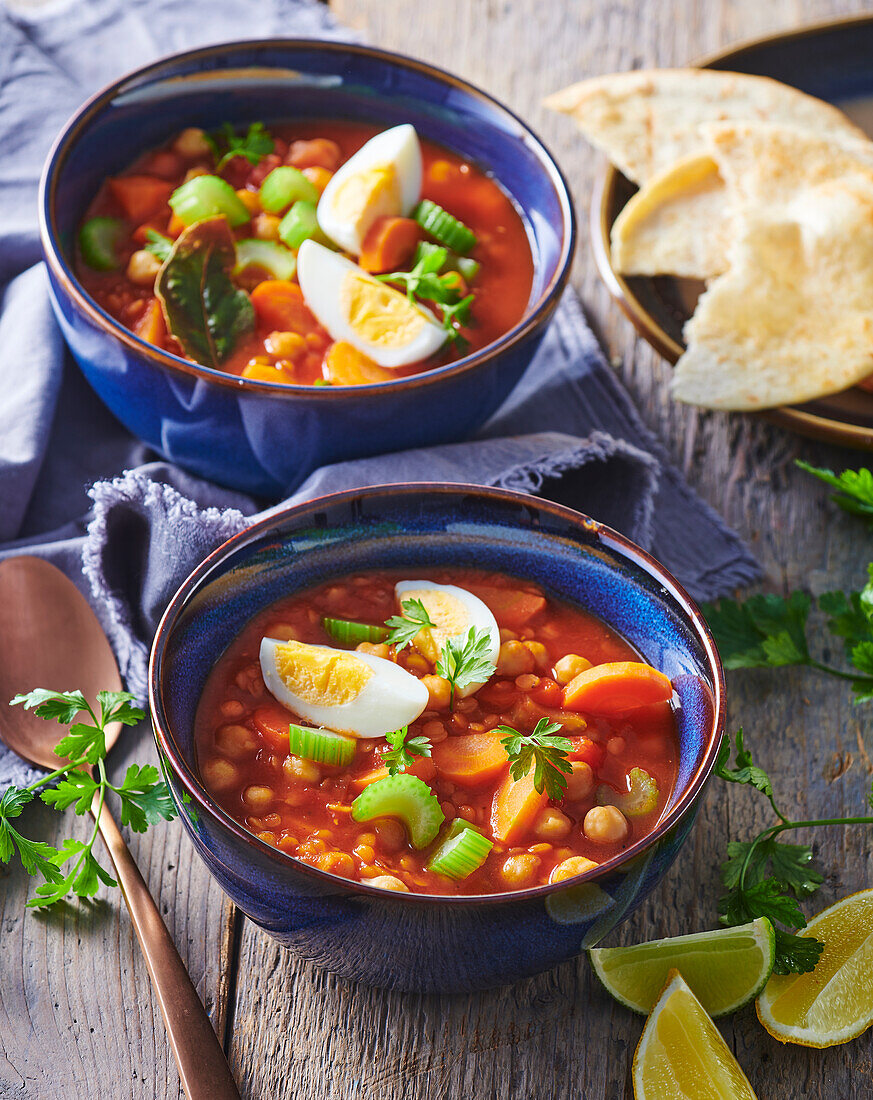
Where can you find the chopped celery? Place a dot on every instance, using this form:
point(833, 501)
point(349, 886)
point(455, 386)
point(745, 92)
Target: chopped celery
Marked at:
point(207, 197)
point(275, 259)
point(443, 226)
point(98, 242)
point(467, 267)
point(322, 746)
point(641, 798)
point(407, 798)
point(427, 250)
point(283, 187)
point(348, 633)
point(462, 851)
point(301, 224)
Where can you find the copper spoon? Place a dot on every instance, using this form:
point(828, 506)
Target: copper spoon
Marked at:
point(50, 637)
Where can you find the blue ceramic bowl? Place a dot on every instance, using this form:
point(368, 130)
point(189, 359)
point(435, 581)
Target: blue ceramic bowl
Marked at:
point(263, 437)
point(416, 941)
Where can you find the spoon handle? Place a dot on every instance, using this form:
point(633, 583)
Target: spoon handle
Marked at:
point(202, 1064)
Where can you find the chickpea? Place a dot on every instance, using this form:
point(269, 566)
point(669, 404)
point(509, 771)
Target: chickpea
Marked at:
point(193, 173)
point(285, 345)
point(258, 797)
point(551, 824)
point(268, 837)
point(265, 227)
point(337, 863)
point(513, 659)
point(434, 731)
point(235, 741)
point(219, 774)
point(580, 782)
point(605, 825)
point(540, 654)
point(143, 267)
point(569, 667)
point(391, 834)
point(569, 868)
point(507, 635)
point(318, 176)
point(192, 143)
point(519, 870)
point(526, 681)
point(440, 691)
point(232, 708)
point(615, 745)
point(389, 882)
point(416, 663)
point(285, 632)
point(249, 200)
point(297, 768)
point(376, 649)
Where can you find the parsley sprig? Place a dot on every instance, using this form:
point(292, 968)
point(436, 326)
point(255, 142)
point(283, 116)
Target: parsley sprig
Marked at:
point(424, 283)
point(159, 245)
point(766, 877)
point(770, 631)
point(404, 628)
point(143, 794)
point(226, 144)
point(466, 659)
point(404, 749)
point(541, 750)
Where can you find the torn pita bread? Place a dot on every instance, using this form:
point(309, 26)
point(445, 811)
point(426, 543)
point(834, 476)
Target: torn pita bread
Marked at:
point(645, 121)
point(792, 317)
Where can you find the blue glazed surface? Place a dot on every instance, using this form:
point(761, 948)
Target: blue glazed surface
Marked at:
point(258, 436)
point(415, 942)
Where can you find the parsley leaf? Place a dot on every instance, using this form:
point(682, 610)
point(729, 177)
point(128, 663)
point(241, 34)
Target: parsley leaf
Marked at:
point(62, 706)
point(404, 749)
point(158, 244)
point(226, 144)
point(541, 750)
point(764, 631)
point(466, 660)
point(855, 487)
point(145, 799)
point(744, 771)
point(404, 628)
point(425, 284)
point(77, 788)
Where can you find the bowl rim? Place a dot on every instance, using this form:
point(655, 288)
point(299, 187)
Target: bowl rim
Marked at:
point(196, 790)
point(535, 315)
point(791, 417)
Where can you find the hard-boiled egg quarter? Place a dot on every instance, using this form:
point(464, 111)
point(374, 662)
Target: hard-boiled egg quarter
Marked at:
point(383, 179)
point(453, 611)
point(354, 693)
point(354, 306)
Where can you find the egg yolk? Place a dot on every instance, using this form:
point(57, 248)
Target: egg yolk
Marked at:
point(366, 196)
point(448, 614)
point(321, 676)
point(379, 314)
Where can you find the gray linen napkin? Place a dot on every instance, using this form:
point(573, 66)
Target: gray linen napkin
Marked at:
point(569, 431)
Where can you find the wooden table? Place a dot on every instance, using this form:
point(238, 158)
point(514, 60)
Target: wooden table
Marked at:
point(77, 1018)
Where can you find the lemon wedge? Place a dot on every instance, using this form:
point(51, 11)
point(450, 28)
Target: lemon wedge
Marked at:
point(833, 1003)
point(681, 1054)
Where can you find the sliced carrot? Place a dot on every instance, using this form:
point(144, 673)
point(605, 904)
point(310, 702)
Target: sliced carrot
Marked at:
point(141, 233)
point(583, 748)
point(150, 325)
point(175, 226)
point(422, 767)
point(512, 607)
point(314, 153)
point(272, 722)
point(471, 759)
point(515, 807)
point(344, 365)
point(280, 306)
point(140, 196)
point(389, 243)
point(617, 687)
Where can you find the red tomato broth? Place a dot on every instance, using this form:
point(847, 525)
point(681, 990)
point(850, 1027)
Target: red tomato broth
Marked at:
point(502, 286)
point(308, 812)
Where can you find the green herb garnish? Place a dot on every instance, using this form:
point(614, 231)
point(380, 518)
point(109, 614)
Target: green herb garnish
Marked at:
point(541, 750)
point(226, 144)
point(404, 628)
point(158, 244)
point(765, 877)
point(143, 794)
point(404, 749)
point(424, 283)
point(466, 660)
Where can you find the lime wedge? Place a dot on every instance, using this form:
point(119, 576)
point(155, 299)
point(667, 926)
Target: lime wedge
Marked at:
point(725, 968)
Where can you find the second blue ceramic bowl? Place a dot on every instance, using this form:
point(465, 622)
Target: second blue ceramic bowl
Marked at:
point(419, 941)
point(262, 437)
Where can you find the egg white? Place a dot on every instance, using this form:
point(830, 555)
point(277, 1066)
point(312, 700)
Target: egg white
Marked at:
point(321, 274)
point(397, 147)
point(390, 699)
point(479, 615)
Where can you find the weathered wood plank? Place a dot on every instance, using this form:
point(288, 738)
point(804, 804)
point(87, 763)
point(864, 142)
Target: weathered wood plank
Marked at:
point(300, 1032)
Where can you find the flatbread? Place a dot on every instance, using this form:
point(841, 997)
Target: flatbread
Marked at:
point(645, 121)
point(677, 224)
point(792, 317)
